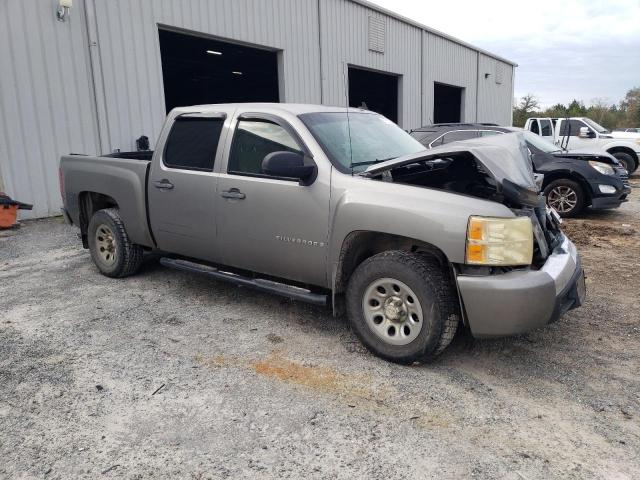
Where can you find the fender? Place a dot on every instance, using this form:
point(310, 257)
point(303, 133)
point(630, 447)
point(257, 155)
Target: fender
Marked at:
point(609, 144)
point(122, 180)
point(432, 216)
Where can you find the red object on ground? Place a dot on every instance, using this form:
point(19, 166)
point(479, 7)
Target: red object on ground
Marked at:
point(9, 210)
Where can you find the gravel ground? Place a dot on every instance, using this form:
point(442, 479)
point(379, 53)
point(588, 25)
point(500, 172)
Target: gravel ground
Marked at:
point(169, 374)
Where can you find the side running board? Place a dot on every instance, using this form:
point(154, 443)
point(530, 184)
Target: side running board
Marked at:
point(269, 286)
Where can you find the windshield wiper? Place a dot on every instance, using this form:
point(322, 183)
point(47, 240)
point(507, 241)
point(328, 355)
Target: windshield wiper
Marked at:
point(371, 162)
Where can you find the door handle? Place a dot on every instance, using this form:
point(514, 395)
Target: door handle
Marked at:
point(163, 184)
point(233, 193)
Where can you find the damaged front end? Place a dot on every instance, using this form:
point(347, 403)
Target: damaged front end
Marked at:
point(534, 275)
point(499, 171)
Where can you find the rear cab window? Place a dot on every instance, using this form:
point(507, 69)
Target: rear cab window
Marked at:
point(192, 143)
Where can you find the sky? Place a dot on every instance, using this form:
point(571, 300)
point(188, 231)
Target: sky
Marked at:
point(565, 49)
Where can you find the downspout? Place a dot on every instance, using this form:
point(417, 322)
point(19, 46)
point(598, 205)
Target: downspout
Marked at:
point(421, 78)
point(320, 55)
point(97, 79)
point(477, 82)
point(513, 85)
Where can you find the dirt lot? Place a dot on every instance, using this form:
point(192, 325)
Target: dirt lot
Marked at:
point(169, 374)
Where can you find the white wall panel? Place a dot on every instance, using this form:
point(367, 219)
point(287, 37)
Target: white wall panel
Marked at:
point(494, 100)
point(94, 83)
point(453, 64)
point(344, 41)
point(127, 36)
point(46, 102)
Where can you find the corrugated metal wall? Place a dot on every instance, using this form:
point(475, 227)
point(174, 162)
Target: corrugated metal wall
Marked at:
point(344, 41)
point(494, 100)
point(453, 64)
point(127, 35)
point(94, 83)
point(46, 102)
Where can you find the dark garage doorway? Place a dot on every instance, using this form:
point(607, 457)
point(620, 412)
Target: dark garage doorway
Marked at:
point(447, 103)
point(375, 91)
point(198, 70)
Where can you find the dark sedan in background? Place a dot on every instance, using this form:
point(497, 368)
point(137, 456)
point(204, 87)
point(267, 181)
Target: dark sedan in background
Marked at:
point(572, 180)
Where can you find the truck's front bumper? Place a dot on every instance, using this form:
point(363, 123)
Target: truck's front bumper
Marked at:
point(521, 300)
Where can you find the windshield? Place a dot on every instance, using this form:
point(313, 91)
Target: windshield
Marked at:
point(540, 143)
point(365, 139)
point(597, 127)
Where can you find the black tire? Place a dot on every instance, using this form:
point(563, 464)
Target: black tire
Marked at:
point(436, 294)
point(580, 199)
point(126, 257)
point(627, 161)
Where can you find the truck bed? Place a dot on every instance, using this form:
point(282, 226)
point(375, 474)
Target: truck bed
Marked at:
point(123, 179)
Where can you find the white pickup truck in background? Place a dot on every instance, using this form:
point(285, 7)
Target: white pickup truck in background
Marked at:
point(578, 133)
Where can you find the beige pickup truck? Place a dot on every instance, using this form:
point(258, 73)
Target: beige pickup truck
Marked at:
point(336, 207)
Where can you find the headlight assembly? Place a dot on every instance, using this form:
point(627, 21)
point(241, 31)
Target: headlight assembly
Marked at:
point(499, 241)
point(603, 168)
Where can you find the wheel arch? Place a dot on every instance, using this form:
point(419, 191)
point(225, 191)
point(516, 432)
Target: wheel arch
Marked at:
point(627, 150)
point(568, 175)
point(89, 203)
point(359, 245)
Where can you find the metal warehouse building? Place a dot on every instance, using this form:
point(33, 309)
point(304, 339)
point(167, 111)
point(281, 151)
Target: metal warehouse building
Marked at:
point(109, 70)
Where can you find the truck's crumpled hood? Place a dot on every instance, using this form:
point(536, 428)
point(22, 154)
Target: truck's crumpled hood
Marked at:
point(506, 157)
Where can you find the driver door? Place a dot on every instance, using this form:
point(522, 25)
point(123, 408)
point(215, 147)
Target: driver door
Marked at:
point(268, 224)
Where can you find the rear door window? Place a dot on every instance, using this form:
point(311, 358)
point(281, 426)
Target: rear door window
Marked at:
point(192, 143)
point(459, 136)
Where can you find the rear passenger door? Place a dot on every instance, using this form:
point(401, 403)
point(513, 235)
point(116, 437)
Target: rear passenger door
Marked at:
point(182, 185)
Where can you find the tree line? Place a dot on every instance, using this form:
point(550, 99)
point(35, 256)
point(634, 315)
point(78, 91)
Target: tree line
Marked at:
point(625, 114)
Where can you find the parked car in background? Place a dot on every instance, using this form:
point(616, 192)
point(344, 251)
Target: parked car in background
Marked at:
point(581, 132)
point(572, 180)
point(632, 130)
point(341, 207)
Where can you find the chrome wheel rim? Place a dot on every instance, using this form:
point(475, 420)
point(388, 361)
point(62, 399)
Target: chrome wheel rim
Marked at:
point(392, 311)
point(106, 244)
point(562, 198)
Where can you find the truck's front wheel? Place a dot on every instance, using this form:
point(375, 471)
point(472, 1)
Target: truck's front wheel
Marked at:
point(110, 246)
point(627, 161)
point(402, 306)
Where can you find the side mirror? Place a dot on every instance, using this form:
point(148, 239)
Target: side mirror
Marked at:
point(290, 165)
point(585, 132)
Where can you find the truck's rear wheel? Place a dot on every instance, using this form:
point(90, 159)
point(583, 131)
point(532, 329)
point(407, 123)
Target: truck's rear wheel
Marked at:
point(110, 246)
point(402, 306)
point(626, 160)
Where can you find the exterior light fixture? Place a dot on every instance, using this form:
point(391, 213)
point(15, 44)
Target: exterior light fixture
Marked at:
point(237, 73)
point(62, 13)
point(214, 52)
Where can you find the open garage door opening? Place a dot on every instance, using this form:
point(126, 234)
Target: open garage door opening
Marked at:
point(447, 103)
point(198, 70)
point(374, 91)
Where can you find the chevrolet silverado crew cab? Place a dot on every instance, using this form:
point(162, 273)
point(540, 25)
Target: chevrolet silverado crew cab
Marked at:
point(583, 133)
point(336, 206)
